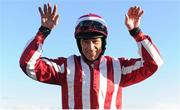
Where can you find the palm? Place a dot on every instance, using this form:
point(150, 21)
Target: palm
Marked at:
point(49, 18)
point(133, 17)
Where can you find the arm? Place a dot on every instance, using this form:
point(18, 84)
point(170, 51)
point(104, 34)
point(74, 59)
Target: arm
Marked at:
point(136, 70)
point(31, 62)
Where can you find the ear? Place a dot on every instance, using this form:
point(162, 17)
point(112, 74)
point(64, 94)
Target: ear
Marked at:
point(103, 39)
point(78, 41)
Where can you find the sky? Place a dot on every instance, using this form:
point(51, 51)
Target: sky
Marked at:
point(20, 20)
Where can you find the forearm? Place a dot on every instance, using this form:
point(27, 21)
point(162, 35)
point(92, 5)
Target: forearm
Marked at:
point(32, 52)
point(147, 50)
point(138, 69)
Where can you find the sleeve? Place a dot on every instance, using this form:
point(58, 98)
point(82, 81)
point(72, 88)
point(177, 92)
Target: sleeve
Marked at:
point(40, 68)
point(136, 70)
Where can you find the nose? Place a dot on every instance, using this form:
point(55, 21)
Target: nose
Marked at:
point(90, 45)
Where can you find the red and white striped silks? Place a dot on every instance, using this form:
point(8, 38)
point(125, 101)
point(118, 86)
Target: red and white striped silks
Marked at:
point(91, 86)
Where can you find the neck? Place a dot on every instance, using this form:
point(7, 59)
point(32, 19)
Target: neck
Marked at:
point(90, 62)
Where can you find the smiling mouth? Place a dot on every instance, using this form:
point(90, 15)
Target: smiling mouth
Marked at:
point(91, 53)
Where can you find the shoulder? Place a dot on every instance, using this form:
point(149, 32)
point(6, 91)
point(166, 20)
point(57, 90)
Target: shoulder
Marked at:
point(113, 58)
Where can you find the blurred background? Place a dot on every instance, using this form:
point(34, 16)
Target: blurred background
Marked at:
point(20, 20)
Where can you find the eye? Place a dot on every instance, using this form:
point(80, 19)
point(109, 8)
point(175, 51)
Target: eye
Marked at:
point(96, 41)
point(85, 41)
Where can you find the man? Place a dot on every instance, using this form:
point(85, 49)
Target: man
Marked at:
point(90, 81)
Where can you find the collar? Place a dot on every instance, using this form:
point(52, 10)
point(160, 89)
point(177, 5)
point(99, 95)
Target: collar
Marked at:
point(92, 63)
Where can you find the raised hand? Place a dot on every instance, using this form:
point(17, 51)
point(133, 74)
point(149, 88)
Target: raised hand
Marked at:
point(133, 17)
point(49, 18)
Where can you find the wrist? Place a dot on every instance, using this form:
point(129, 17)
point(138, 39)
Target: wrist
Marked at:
point(46, 31)
point(134, 31)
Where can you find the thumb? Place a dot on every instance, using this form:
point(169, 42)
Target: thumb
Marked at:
point(126, 18)
point(127, 22)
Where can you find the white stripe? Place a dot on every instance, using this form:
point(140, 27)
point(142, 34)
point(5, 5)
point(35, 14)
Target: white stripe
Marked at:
point(85, 85)
point(31, 63)
point(70, 80)
point(117, 78)
point(103, 83)
point(58, 69)
point(139, 48)
point(152, 51)
point(92, 18)
point(129, 69)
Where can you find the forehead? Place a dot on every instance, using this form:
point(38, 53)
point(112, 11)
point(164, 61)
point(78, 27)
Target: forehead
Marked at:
point(91, 39)
point(89, 35)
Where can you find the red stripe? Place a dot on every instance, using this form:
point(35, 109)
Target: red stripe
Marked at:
point(64, 88)
point(149, 67)
point(119, 93)
point(110, 83)
point(26, 56)
point(94, 87)
point(119, 98)
point(30, 50)
point(78, 84)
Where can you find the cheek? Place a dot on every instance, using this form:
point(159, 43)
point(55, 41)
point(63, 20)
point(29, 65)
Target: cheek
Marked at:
point(99, 47)
point(84, 48)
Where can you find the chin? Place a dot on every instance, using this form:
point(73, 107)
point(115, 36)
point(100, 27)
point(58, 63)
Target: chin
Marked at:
point(91, 59)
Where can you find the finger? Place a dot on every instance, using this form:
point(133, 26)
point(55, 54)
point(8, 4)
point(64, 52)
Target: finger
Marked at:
point(40, 11)
point(45, 9)
point(140, 13)
point(56, 19)
point(130, 11)
point(136, 7)
point(133, 10)
point(137, 10)
point(49, 8)
point(126, 18)
point(54, 10)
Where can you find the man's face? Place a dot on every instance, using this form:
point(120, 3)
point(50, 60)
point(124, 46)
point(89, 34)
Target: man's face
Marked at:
point(91, 48)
